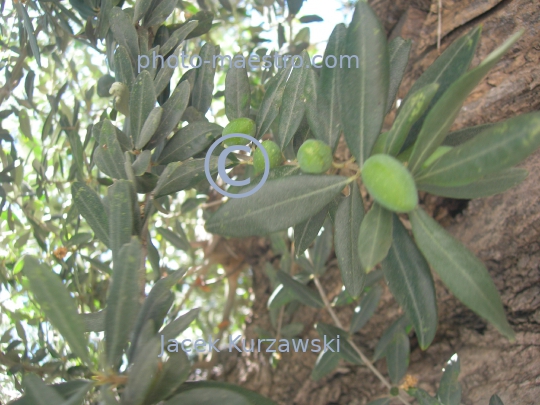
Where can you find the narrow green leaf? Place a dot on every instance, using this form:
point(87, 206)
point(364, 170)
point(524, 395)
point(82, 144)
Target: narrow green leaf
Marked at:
point(463, 135)
point(495, 400)
point(306, 232)
point(140, 9)
point(142, 101)
point(398, 54)
point(449, 392)
point(23, 14)
point(365, 310)
point(409, 279)
point(279, 204)
point(178, 241)
point(109, 157)
point(179, 176)
point(155, 306)
point(374, 237)
point(93, 321)
point(388, 335)
point(189, 141)
point(328, 101)
point(177, 37)
point(293, 105)
point(160, 11)
point(180, 324)
point(204, 81)
point(120, 215)
point(302, 293)
point(122, 302)
point(174, 373)
point(488, 185)
point(397, 357)
point(423, 397)
point(141, 163)
point(142, 373)
point(325, 364)
point(214, 393)
point(124, 32)
point(499, 147)
point(57, 304)
point(91, 208)
point(78, 397)
point(237, 93)
point(322, 249)
point(149, 127)
point(463, 273)
point(38, 391)
point(447, 68)
point(163, 77)
point(341, 346)
point(173, 109)
point(442, 115)
point(349, 216)
point(411, 111)
point(364, 89)
point(269, 109)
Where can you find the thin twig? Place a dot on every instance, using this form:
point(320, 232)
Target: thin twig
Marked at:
point(364, 358)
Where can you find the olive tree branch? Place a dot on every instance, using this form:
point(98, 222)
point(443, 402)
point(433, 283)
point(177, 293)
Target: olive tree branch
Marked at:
point(364, 358)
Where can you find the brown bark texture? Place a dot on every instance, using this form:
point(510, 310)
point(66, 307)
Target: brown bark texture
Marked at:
point(503, 230)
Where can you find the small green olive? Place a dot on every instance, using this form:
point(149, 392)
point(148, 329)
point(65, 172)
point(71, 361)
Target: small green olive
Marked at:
point(314, 156)
point(390, 183)
point(441, 150)
point(239, 126)
point(274, 156)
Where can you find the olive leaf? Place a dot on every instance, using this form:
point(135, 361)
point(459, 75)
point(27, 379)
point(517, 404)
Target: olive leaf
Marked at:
point(349, 216)
point(142, 101)
point(237, 92)
point(325, 364)
point(57, 304)
point(364, 90)
point(366, 308)
point(277, 205)
point(122, 302)
point(374, 236)
point(92, 209)
point(497, 148)
point(442, 115)
point(398, 55)
point(446, 69)
point(409, 279)
point(449, 392)
point(462, 272)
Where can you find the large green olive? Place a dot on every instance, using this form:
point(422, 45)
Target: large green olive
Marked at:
point(274, 156)
point(314, 157)
point(239, 126)
point(390, 183)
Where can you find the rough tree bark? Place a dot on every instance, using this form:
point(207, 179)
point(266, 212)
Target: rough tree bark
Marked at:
point(504, 231)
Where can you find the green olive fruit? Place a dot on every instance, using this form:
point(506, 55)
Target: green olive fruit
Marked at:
point(390, 183)
point(315, 157)
point(274, 156)
point(441, 150)
point(239, 126)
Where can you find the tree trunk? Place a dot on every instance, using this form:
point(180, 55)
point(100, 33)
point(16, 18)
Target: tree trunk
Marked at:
point(502, 230)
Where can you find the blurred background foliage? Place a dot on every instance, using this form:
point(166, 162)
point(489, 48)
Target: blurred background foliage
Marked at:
point(54, 84)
